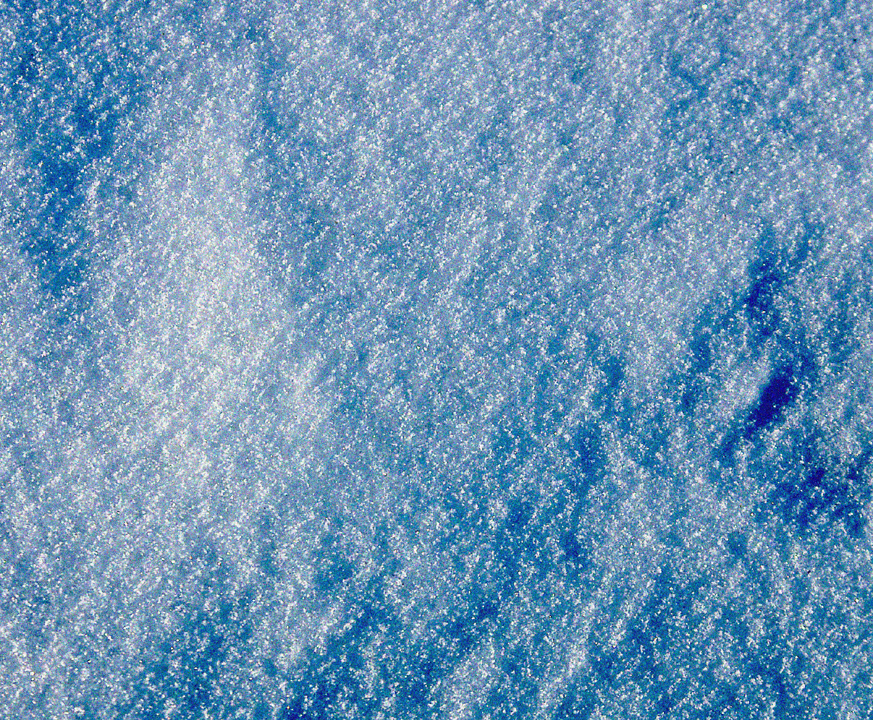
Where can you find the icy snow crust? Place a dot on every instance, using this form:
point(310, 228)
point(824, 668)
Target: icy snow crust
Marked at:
point(427, 360)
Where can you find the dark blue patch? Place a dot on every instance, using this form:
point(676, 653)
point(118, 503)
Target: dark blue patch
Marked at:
point(494, 148)
point(575, 552)
point(333, 568)
point(813, 494)
point(761, 309)
point(334, 676)
point(609, 397)
point(588, 460)
point(780, 393)
point(737, 544)
point(63, 124)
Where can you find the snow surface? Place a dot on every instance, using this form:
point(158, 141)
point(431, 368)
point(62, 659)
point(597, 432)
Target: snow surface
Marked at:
point(436, 360)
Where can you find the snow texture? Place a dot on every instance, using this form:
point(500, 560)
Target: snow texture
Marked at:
point(411, 360)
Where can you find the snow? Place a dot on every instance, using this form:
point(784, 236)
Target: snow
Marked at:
point(431, 360)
